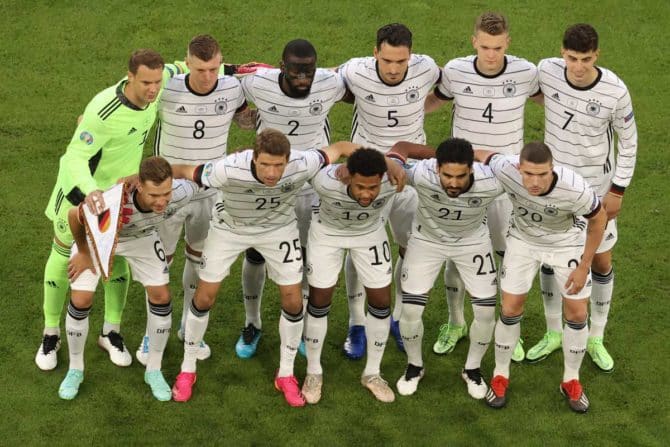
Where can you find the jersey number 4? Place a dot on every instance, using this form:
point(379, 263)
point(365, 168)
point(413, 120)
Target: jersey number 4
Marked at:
point(488, 112)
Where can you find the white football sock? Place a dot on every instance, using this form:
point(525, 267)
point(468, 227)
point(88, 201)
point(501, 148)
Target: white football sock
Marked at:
point(355, 293)
point(290, 333)
point(377, 326)
point(253, 281)
point(601, 300)
point(158, 326)
point(552, 297)
point(316, 327)
point(481, 330)
point(76, 328)
point(194, 331)
point(455, 289)
point(575, 336)
point(507, 332)
point(411, 327)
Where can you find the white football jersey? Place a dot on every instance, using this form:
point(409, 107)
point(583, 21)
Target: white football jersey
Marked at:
point(340, 214)
point(385, 114)
point(579, 125)
point(553, 219)
point(143, 223)
point(488, 111)
point(443, 219)
point(304, 121)
point(247, 206)
point(193, 128)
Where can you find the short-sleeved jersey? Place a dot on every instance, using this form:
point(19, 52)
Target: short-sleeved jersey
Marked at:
point(107, 144)
point(579, 125)
point(385, 114)
point(144, 223)
point(554, 218)
point(247, 206)
point(443, 219)
point(339, 213)
point(488, 110)
point(304, 121)
point(193, 128)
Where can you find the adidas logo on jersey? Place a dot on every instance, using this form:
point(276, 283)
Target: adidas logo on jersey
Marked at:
point(132, 131)
point(609, 237)
point(556, 97)
point(370, 98)
point(273, 109)
point(467, 90)
point(181, 109)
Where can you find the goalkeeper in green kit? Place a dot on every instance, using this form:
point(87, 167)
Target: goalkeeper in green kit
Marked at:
point(106, 146)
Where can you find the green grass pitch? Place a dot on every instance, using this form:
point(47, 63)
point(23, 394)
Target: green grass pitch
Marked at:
point(56, 55)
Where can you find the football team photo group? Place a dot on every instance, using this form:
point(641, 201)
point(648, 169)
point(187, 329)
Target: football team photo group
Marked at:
point(311, 230)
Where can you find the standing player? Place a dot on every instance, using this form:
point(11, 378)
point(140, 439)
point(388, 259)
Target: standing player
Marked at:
point(350, 217)
point(489, 92)
point(449, 226)
point(547, 228)
point(294, 99)
point(107, 145)
point(195, 112)
point(584, 106)
point(255, 209)
point(389, 91)
point(156, 198)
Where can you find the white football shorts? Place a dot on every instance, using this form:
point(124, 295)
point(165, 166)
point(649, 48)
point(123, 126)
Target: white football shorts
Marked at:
point(522, 261)
point(279, 246)
point(145, 256)
point(370, 252)
point(472, 257)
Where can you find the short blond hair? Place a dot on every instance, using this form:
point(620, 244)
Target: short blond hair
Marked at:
point(492, 23)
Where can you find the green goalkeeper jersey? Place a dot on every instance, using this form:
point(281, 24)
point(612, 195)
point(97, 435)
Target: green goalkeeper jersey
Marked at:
point(107, 144)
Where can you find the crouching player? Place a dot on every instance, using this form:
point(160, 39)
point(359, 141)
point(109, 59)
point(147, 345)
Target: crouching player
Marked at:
point(450, 226)
point(255, 209)
point(156, 198)
point(547, 228)
point(349, 217)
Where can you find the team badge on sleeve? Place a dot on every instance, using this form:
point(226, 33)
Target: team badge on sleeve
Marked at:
point(86, 137)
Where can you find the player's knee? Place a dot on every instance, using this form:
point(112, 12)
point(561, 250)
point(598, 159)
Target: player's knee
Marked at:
point(320, 297)
point(602, 263)
point(254, 256)
point(82, 299)
point(203, 300)
point(379, 298)
point(512, 307)
point(575, 310)
point(159, 295)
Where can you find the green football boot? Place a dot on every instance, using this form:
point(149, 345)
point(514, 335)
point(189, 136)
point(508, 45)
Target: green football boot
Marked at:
point(599, 354)
point(550, 342)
